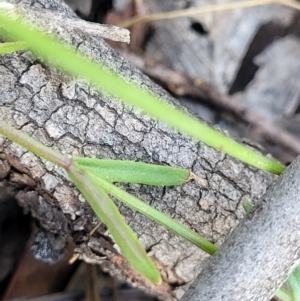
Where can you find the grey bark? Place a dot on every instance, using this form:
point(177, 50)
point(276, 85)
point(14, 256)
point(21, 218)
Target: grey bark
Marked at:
point(55, 21)
point(68, 115)
point(260, 252)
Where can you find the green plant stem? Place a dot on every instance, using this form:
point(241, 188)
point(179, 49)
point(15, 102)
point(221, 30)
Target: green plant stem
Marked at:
point(60, 160)
point(54, 52)
point(34, 146)
point(294, 283)
point(10, 47)
point(284, 295)
point(104, 208)
point(157, 216)
point(108, 213)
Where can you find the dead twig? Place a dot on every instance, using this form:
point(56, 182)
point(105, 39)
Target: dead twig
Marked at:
point(213, 8)
point(52, 20)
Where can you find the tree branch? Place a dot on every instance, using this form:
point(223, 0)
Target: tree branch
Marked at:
point(53, 21)
point(261, 251)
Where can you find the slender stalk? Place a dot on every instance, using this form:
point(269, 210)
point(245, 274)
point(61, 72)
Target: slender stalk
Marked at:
point(157, 216)
point(51, 50)
point(284, 295)
point(108, 213)
point(205, 9)
point(34, 146)
point(12, 47)
point(196, 11)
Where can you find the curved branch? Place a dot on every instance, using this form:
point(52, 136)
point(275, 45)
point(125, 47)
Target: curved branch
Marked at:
point(262, 250)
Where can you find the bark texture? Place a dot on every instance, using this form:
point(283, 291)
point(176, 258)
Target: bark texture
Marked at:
point(261, 251)
point(78, 120)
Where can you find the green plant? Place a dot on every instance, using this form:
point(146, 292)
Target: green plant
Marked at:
point(93, 177)
point(9, 47)
point(59, 55)
point(86, 174)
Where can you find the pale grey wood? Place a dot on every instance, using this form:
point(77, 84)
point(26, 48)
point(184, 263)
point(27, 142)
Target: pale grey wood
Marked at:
point(76, 119)
point(223, 55)
point(216, 56)
point(52, 22)
point(261, 251)
point(274, 91)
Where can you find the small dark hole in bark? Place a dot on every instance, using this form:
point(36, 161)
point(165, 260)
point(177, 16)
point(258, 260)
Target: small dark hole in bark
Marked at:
point(199, 28)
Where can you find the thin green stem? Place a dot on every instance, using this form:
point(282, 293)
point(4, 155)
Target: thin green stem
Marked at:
point(157, 216)
point(284, 295)
point(34, 146)
point(108, 213)
point(53, 51)
point(10, 47)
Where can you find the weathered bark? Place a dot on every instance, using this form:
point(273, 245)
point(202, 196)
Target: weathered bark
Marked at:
point(74, 118)
point(260, 252)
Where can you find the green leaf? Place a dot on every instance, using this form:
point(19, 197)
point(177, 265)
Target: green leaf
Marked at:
point(123, 171)
point(294, 283)
point(108, 213)
point(33, 145)
point(284, 295)
point(138, 205)
point(57, 54)
point(157, 216)
point(296, 274)
point(12, 47)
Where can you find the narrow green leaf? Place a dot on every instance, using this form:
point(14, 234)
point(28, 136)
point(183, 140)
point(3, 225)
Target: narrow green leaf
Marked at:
point(294, 283)
point(284, 295)
point(296, 274)
point(10, 47)
point(57, 54)
point(157, 216)
point(123, 171)
point(108, 213)
point(57, 158)
point(33, 145)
